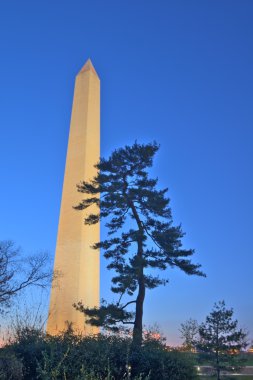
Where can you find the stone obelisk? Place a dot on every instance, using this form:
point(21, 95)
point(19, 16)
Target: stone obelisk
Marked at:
point(76, 263)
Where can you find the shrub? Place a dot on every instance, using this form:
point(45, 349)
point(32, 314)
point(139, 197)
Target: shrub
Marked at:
point(35, 355)
point(10, 367)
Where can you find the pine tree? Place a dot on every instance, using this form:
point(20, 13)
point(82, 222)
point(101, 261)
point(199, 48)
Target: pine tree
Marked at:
point(221, 339)
point(141, 237)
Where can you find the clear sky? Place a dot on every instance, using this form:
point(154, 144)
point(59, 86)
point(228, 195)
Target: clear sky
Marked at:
point(179, 72)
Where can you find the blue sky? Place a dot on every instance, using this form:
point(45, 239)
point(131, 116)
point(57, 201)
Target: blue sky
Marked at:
point(179, 72)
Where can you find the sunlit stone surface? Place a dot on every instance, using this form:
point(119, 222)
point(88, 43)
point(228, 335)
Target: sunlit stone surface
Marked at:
point(75, 261)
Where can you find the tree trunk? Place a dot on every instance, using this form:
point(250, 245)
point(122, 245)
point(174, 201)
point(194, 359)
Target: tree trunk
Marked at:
point(137, 331)
point(217, 353)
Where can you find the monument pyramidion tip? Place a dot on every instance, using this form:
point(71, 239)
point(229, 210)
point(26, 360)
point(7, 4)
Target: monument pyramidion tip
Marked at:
point(88, 66)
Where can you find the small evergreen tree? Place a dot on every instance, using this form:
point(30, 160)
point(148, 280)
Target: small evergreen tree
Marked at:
point(221, 340)
point(189, 333)
point(140, 233)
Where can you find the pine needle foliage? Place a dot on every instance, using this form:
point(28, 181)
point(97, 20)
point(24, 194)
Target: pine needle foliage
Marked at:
point(141, 234)
point(221, 341)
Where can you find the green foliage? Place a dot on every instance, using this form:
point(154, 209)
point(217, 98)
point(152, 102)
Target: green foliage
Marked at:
point(35, 355)
point(10, 366)
point(154, 360)
point(221, 340)
point(28, 348)
point(189, 333)
point(141, 235)
point(108, 314)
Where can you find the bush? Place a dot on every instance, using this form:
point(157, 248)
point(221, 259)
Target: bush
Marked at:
point(35, 355)
point(10, 367)
point(155, 361)
point(27, 349)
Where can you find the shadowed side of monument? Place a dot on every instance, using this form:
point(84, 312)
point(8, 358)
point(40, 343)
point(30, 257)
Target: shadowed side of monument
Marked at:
point(76, 263)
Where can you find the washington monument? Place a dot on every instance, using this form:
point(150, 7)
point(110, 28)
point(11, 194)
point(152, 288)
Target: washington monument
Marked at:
point(76, 263)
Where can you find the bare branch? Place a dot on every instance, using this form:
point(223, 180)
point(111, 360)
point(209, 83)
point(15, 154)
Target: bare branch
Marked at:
point(17, 273)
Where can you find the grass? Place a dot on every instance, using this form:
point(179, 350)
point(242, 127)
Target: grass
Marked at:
point(249, 358)
point(227, 377)
point(246, 355)
point(249, 362)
